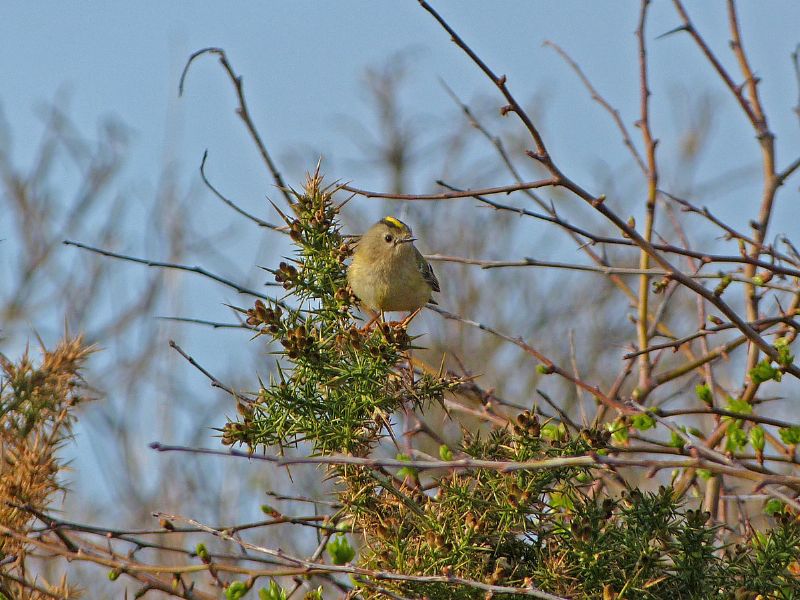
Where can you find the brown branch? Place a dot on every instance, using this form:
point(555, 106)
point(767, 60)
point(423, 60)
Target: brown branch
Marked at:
point(29, 585)
point(645, 367)
point(675, 344)
point(315, 567)
point(661, 247)
point(591, 460)
point(169, 265)
point(548, 364)
point(599, 203)
point(147, 574)
point(613, 112)
point(214, 381)
point(500, 81)
point(788, 171)
point(725, 413)
point(212, 324)
point(553, 216)
point(750, 81)
point(604, 270)
point(683, 279)
point(767, 141)
point(242, 111)
point(735, 90)
point(730, 232)
point(690, 366)
point(757, 118)
point(795, 56)
point(232, 204)
point(531, 262)
point(505, 189)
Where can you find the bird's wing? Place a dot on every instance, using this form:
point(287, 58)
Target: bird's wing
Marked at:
point(426, 270)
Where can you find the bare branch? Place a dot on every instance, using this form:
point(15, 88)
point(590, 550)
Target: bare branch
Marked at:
point(168, 265)
point(504, 189)
point(242, 111)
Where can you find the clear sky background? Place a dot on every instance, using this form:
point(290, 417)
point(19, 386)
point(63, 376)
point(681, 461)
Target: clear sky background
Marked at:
point(303, 65)
point(303, 61)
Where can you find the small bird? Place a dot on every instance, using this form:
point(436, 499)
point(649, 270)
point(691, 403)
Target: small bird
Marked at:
point(388, 273)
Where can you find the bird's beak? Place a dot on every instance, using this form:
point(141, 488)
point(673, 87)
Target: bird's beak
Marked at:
point(407, 240)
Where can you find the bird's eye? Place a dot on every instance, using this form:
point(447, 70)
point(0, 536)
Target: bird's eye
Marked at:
point(388, 237)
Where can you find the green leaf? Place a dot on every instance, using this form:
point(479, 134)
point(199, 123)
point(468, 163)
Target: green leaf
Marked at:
point(704, 474)
point(785, 356)
point(760, 539)
point(445, 453)
point(695, 432)
point(790, 435)
point(723, 284)
point(703, 393)
point(202, 552)
point(619, 431)
point(736, 437)
point(764, 371)
point(269, 510)
point(405, 471)
point(757, 438)
point(773, 506)
point(340, 550)
point(643, 422)
point(559, 500)
point(314, 594)
point(551, 431)
point(741, 407)
point(274, 592)
point(675, 440)
point(235, 590)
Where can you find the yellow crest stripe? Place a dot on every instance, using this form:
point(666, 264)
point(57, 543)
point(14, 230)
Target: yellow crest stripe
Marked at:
point(396, 223)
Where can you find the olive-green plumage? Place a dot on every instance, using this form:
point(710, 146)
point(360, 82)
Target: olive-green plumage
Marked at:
point(388, 273)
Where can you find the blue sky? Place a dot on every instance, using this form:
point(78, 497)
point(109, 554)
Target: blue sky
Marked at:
point(303, 62)
point(303, 65)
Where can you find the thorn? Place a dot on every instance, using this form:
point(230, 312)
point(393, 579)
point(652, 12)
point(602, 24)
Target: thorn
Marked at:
point(535, 155)
point(678, 29)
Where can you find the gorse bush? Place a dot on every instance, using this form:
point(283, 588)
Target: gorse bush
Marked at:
point(37, 410)
point(525, 520)
point(339, 385)
point(661, 461)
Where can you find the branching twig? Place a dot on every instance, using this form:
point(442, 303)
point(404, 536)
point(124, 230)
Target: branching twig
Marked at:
point(242, 111)
point(168, 265)
point(232, 204)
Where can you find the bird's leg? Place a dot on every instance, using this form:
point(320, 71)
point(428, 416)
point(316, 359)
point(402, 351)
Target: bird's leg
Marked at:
point(373, 318)
point(410, 317)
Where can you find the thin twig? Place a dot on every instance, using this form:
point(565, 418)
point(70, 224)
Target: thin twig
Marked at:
point(169, 265)
point(214, 381)
point(597, 97)
point(315, 567)
point(242, 111)
point(232, 204)
point(503, 189)
point(591, 460)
